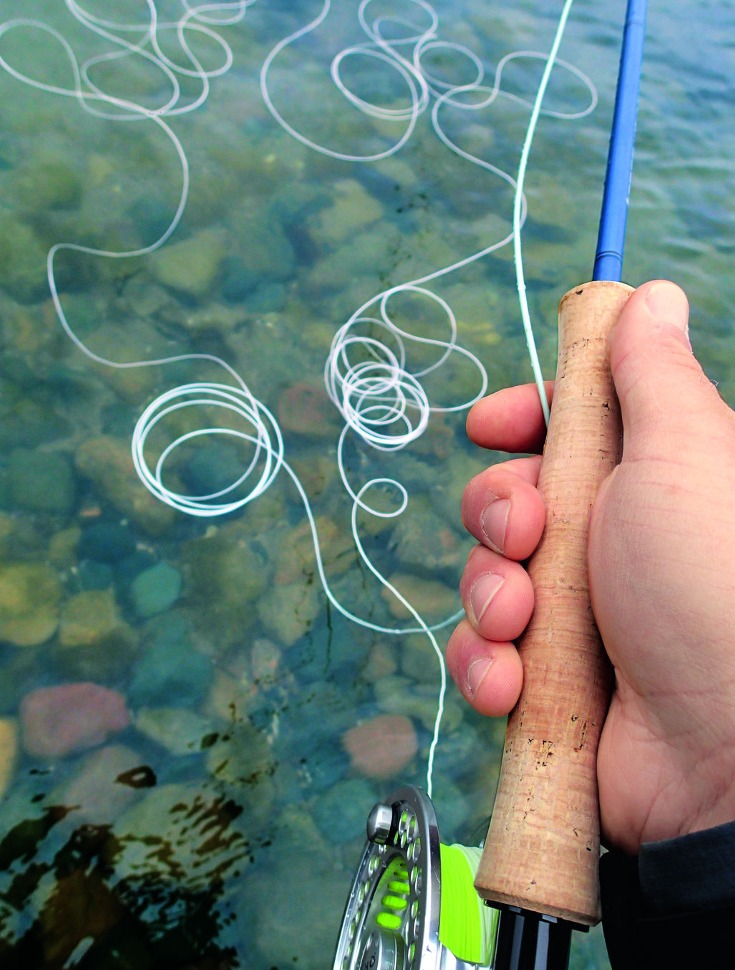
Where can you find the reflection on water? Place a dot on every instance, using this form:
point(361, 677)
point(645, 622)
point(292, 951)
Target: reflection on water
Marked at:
point(191, 729)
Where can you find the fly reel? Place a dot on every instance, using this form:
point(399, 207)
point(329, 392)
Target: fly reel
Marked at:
point(413, 905)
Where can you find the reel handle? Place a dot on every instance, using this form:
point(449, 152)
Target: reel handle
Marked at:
point(542, 847)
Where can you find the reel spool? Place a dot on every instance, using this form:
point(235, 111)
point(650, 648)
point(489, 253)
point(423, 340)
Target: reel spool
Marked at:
point(413, 904)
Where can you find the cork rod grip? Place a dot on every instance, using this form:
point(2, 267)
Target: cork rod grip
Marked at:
point(542, 847)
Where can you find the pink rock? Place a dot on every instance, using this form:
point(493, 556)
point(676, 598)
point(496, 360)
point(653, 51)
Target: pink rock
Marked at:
point(56, 721)
point(382, 746)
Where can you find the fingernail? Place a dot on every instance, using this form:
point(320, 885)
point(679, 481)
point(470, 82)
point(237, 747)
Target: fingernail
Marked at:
point(483, 592)
point(476, 674)
point(668, 304)
point(494, 522)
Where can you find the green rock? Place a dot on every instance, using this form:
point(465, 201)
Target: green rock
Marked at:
point(23, 260)
point(29, 603)
point(242, 757)
point(95, 642)
point(88, 617)
point(226, 574)
point(262, 252)
point(352, 210)
point(176, 729)
point(288, 612)
point(106, 461)
point(432, 600)
point(191, 266)
point(41, 481)
point(422, 540)
point(48, 185)
point(155, 590)
point(108, 659)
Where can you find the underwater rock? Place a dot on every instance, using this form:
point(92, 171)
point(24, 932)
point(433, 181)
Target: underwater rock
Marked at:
point(355, 265)
point(94, 575)
point(212, 318)
point(8, 751)
point(29, 603)
point(155, 590)
point(243, 760)
point(178, 835)
point(87, 618)
point(418, 659)
point(242, 756)
point(422, 539)
point(305, 409)
point(33, 333)
point(230, 696)
point(226, 574)
point(294, 556)
point(106, 660)
point(112, 342)
point(288, 612)
point(431, 599)
point(169, 666)
point(261, 253)
point(381, 747)
point(214, 466)
point(297, 936)
point(341, 811)
point(20, 668)
point(381, 662)
point(454, 809)
point(80, 907)
point(244, 683)
point(56, 721)
point(191, 266)
point(95, 643)
point(51, 184)
point(295, 828)
point(285, 935)
point(23, 260)
point(400, 695)
point(28, 420)
point(265, 659)
point(103, 784)
point(107, 463)
point(352, 210)
point(7, 529)
point(176, 729)
point(63, 547)
point(109, 542)
point(316, 472)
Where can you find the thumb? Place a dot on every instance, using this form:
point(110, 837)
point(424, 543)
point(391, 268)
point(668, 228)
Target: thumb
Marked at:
point(665, 397)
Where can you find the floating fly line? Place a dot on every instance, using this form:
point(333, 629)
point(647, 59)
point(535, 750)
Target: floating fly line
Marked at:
point(383, 399)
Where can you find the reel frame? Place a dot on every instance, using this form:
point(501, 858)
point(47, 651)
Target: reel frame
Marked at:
point(391, 918)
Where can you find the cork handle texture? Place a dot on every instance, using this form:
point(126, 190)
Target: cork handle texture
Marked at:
point(542, 847)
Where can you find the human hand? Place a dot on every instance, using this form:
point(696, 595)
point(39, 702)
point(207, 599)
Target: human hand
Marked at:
point(661, 570)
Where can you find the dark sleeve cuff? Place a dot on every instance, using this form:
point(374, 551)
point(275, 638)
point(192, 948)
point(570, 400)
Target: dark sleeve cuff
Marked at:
point(692, 873)
point(672, 907)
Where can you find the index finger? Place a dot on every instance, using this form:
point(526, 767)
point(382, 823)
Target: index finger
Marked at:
point(510, 420)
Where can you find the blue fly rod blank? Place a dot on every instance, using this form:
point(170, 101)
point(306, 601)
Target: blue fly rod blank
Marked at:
point(614, 214)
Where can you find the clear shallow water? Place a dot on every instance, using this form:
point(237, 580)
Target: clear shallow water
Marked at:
point(215, 818)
